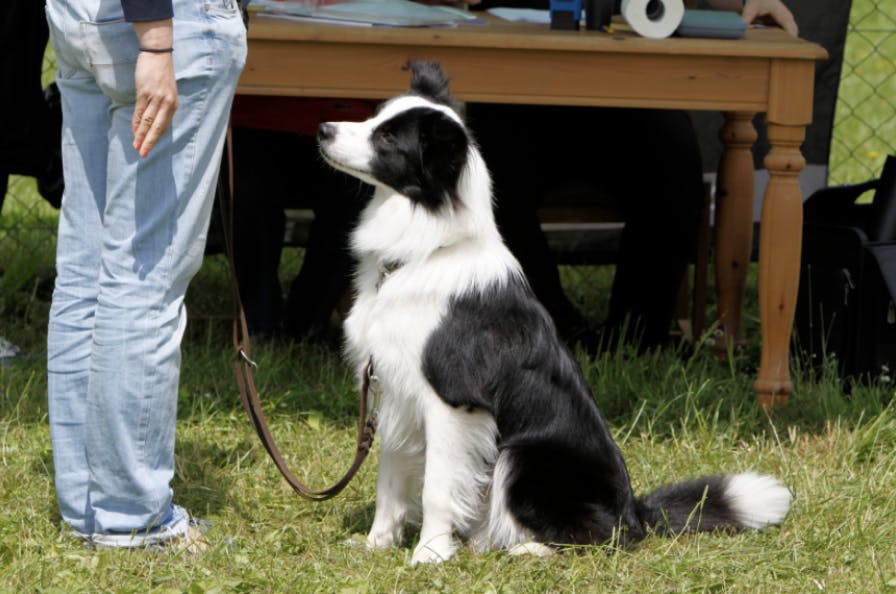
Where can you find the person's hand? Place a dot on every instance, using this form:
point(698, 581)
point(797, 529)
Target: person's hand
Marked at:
point(157, 98)
point(772, 11)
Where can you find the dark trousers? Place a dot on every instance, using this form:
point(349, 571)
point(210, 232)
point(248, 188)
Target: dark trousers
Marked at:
point(274, 171)
point(646, 162)
point(29, 131)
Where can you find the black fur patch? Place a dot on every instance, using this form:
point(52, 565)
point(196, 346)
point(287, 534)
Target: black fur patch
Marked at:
point(420, 153)
point(499, 351)
point(671, 509)
point(430, 81)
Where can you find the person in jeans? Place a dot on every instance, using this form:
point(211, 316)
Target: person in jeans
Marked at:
point(146, 89)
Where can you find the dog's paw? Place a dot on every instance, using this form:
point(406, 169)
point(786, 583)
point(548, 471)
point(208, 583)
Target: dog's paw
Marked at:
point(536, 549)
point(434, 550)
point(356, 541)
point(382, 539)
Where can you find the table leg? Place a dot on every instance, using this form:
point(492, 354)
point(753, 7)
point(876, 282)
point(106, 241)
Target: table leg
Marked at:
point(734, 225)
point(780, 244)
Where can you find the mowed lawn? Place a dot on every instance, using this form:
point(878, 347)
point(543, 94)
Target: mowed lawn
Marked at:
point(676, 414)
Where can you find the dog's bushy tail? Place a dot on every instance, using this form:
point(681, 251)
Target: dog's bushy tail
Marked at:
point(737, 501)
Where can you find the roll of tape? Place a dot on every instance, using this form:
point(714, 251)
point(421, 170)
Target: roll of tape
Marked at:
point(653, 18)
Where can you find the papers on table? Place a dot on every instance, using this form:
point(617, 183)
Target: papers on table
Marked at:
point(522, 15)
point(390, 13)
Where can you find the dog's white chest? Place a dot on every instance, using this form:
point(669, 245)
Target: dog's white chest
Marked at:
point(390, 320)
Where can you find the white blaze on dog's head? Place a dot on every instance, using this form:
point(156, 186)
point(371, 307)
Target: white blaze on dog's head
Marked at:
point(415, 145)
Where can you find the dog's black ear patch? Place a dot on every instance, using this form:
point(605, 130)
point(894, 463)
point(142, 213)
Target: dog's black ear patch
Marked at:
point(429, 80)
point(443, 145)
point(421, 153)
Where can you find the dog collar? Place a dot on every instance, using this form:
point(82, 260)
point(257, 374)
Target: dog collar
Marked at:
point(386, 269)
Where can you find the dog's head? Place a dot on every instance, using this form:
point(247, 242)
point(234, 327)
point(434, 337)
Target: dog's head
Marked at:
point(416, 144)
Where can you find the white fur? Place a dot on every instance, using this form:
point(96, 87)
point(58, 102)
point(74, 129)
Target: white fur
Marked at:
point(425, 443)
point(501, 530)
point(758, 500)
point(353, 152)
point(536, 549)
point(439, 463)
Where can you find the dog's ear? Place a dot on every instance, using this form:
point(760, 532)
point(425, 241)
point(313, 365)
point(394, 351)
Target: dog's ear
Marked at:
point(443, 151)
point(429, 80)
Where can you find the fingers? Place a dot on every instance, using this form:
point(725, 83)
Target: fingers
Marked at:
point(773, 10)
point(151, 123)
point(785, 19)
point(156, 100)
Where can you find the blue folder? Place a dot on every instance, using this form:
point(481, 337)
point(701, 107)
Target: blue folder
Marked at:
point(711, 23)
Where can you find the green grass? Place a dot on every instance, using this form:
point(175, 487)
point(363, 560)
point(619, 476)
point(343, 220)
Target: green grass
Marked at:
point(674, 415)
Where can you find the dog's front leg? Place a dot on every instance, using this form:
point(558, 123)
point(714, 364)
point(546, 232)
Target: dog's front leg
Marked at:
point(392, 497)
point(445, 479)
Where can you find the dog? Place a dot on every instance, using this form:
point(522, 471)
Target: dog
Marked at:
point(486, 421)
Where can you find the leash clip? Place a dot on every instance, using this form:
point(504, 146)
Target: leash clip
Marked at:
point(368, 371)
point(373, 380)
point(246, 359)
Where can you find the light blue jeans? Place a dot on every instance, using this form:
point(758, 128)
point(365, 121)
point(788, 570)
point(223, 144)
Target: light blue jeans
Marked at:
point(131, 236)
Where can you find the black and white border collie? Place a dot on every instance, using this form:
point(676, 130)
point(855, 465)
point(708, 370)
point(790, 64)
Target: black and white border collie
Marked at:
point(483, 409)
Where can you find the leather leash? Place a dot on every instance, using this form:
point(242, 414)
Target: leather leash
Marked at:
point(243, 367)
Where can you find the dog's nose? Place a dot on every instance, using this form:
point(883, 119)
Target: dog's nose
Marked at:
point(326, 131)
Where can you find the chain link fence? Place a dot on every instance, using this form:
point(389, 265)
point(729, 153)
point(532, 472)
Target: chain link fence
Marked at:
point(865, 116)
point(864, 133)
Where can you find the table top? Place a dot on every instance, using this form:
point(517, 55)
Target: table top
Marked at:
point(756, 43)
point(767, 70)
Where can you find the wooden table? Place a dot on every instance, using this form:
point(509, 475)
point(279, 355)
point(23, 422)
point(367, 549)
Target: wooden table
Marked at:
point(766, 71)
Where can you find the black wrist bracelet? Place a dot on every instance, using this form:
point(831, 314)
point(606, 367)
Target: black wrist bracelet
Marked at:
point(154, 50)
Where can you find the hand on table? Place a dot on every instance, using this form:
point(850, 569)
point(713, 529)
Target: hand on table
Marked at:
point(770, 12)
point(767, 12)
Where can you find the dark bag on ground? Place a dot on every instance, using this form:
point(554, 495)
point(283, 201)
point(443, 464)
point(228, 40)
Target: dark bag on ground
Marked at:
point(846, 309)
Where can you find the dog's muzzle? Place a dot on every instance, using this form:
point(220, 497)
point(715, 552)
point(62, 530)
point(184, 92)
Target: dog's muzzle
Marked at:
point(326, 132)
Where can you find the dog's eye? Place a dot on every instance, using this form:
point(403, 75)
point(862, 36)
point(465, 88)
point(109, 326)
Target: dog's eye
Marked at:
point(386, 139)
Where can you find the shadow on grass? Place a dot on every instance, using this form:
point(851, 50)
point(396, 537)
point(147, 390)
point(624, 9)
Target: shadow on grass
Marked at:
point(359, 518)
point(204, 480)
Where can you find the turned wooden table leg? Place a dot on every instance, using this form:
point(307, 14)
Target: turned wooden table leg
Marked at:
point(780, 244)
point(734, 225)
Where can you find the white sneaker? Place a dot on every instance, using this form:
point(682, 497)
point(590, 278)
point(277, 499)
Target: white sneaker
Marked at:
point(8, 351)
point(182, 533)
